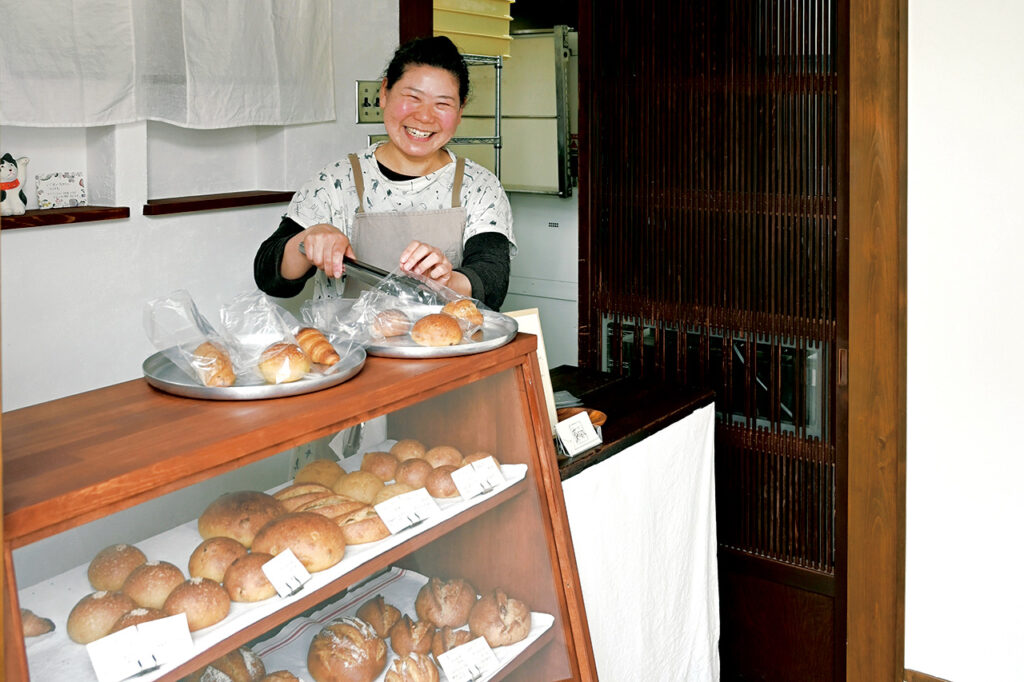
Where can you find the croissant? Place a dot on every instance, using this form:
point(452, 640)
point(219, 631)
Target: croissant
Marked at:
point(213, 365)
point(316, 346)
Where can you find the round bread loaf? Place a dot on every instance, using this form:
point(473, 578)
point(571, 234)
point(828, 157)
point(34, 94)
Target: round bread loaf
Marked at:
point(499, 619)
point(410, 635)
point(362, 526)
point(380, 615)
point(436, 329)
point(389, 491)
point(474, 456)
point(413, 472)
point(203, 601)
point(138, 616)
point(443, 455)
point(332, 506)
point(440, 483)
point(281, 363)
point(111, 566)
point(149, 584)
point(280, 676)
point(448, 638)
point(239, 515)
point(347, 650)
point(95, 614)
point(359, 485)
point(380, 464)
point(412, 668)
point(446, 602)
point(391, 322)
point(245, 580)
point(322, 471)
point(240, 665)
point(213, 556)
point(407, 448)
point(464, 309)
point(316, 541)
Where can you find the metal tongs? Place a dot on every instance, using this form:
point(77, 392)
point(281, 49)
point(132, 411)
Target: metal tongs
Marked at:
point(423, 289)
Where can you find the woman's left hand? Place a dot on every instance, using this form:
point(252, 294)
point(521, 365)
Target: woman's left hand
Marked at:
point(426, 260)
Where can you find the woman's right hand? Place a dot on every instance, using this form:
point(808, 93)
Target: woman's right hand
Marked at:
point(325, 246)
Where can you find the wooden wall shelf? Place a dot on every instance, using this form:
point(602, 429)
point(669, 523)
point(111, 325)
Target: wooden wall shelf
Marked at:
point(63, 216)
point(214, 202)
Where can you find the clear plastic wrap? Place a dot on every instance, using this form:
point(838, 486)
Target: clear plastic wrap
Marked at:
point(175, 326)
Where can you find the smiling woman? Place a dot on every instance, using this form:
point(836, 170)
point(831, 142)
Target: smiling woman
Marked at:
point(406, 203)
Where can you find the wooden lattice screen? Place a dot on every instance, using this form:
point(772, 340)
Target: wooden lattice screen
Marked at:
point(709, 240)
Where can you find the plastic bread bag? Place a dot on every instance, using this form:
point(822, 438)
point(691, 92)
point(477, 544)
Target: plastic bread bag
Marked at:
point(175, 326)
point(336, 318)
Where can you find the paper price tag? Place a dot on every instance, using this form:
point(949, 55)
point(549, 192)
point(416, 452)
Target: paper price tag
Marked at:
point(407, 510)
point(469, 662)
point(286, 573)
point(477, 478)
point(140, 648)
point(577, 434)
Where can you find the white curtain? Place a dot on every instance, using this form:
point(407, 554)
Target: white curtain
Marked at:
point(192, 63)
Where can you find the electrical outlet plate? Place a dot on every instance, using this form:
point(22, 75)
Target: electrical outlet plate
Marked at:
point(368, 102)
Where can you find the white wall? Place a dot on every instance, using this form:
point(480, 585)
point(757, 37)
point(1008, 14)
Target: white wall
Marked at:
point(965, 461)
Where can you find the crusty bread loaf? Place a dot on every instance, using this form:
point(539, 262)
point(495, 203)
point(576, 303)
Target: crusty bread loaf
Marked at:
point(150, 583)
point(323, 471)
point(408, 448)
point(299, 494)
point(440, 483)
point(362, 526)
point(389, 491)
point(446, 602)
point(239, 515)
point(442, 455)
point(95, 614)
point(281, 363)
point(245, 580)
point(112, 564)
point(240, 665)
point(213, 556)
point(391, 322)
point(359, 485)
point(347, 650)
point(436, 329)
point(316, 346)
point(33, 625)
point(410, 635)
point(413, 472)
point(316, 541)
point(448, 638)
point(138, 616)
point(499, 619)
point(380, 464)
point(213, 365)
point(380, 615)
point(464, 309)
point(203, 601)
point(412, 668)
point(332, 506)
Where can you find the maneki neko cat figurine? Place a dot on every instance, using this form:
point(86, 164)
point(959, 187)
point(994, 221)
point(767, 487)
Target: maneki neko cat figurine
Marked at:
point(12, 185)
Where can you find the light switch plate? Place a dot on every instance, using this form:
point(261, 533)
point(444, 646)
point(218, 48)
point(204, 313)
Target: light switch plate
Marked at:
point(368, 102)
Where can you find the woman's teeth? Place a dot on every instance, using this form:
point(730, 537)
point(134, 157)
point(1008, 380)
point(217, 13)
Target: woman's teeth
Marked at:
point(421, 134)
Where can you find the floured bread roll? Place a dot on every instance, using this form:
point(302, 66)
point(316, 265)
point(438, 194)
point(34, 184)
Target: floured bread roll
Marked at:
point(239, 515)
point(315, 540)
point(464, 309)
point(111, 566)
point(446, 602)
point(409, 636)
point(240, 665)
point(443, 454)
point(412, 668)
point(149, 584)
point(203, 601)
point(362, 526)
point(347, 650)
point(414, 472)
point(213, 365)
point(391, 322)
point(500, 619)
point(137, 617)
point(436, 329)
point(213, 556)
point(95, 614)
point(380, 615)
point(283, 362)
point(380, 464)
point(245, 580)
point(448, 638)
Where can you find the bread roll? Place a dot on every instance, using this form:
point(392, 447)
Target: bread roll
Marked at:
point(347, 650)
point(446, 602)
point(95, 614)
point(380, 464)
point(316, 541)
point(443, 455)
point(391, 322)
point(240, 665)
point(332, 506)
point(137, 616)
point(203, 601)
point(380, 615)
point(281, 363)
point(245, 580)
point(440, 484)
point(389, 491)
point(359, 485)
point(213, 365)
point(500, 619)
point(407, 448)
point(448, 638)
point(464, 309)
point(33, 625)
point(112, 564)
point(412, 668)
point(323, 471)
point(239, 515)
point(149, 584)
point(413, 472)
point(213, 556)
point(437, 329)
point(362, 526)
point(314, 344)
point(480, 454)
point(279, 676)
point(410, 635)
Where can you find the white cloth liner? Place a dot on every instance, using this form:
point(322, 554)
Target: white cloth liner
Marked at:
point(643, 529)
point(55, 657)
point(194, 64)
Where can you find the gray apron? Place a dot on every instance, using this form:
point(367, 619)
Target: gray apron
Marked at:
point(379, 238)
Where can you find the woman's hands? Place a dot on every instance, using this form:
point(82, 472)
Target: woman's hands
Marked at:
point(430, 261)
point(325, 246)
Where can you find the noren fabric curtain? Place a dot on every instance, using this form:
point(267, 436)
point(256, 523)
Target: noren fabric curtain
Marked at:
point(192, 63)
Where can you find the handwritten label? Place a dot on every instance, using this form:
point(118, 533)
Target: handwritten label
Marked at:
point(407, 510)
point(286, 573)
point(477, 478)
point(577, 434)
point(140, 648)
point(468, 662)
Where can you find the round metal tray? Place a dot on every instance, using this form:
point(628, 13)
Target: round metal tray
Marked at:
point(162, 373)
point(497, 330)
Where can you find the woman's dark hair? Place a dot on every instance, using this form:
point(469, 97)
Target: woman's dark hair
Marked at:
point(438, 51)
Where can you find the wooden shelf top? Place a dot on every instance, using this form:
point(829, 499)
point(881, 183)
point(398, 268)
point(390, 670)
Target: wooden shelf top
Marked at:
point(64, 216)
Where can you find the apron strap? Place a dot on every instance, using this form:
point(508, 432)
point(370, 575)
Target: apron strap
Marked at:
point(460, 167)
point(357, 176)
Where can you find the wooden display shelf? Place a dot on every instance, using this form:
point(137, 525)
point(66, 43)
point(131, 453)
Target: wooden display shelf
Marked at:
point(64, 216)
point(214, 202)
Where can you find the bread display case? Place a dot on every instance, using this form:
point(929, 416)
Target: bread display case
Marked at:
point(99, 460)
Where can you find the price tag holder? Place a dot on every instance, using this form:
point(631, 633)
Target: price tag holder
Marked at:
point(286, 573)
point(407, 510)
point(468, 662)
point(477, 478)
point(577, 434)
point(140, 649)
